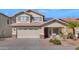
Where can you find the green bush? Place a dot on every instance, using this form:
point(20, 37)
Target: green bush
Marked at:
point(55, 41)
point(77, 48)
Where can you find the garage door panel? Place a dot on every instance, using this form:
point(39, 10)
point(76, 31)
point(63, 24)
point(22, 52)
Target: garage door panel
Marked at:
point(28, 33)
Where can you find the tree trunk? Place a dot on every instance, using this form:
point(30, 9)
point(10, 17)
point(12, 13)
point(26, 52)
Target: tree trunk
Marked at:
point(74, 33)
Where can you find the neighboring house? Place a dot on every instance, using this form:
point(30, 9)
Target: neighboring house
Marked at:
point(70, 29)
point(31, 24)
point(5, 30)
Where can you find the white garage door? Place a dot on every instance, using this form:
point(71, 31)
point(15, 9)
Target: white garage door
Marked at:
point(28, 33)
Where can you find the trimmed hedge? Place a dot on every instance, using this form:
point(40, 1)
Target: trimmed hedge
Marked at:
point(55, 41)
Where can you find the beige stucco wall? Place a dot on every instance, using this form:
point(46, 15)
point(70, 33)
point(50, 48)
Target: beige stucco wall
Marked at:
point(13, 31)
point(70, 30)
point(42, 30)
point(36, 15)
point(64, 30)
point(33, 14)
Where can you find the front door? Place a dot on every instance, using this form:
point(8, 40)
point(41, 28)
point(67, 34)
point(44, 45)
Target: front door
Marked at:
point(46, 32)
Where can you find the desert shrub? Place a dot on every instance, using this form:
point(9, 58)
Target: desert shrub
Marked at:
point(61, 34)
point(55, 41)
point(70, 36)
point(51, 40)
point(77, 48)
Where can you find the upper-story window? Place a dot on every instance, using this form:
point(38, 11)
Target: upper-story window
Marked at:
point(37, 19)
point(23, 18)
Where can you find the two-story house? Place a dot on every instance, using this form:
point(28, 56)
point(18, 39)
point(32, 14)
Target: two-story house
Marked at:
point(27, 24)
point(30, 24)
point(5, 30)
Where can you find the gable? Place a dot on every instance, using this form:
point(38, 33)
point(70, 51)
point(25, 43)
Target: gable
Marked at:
point(55, 24)
point(22, 15)
point(33, 14)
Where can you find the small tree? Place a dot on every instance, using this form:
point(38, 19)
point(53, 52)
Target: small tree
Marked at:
point(73, 25)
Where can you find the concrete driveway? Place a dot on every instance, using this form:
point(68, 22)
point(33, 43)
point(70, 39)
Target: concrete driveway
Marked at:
point(31, 44)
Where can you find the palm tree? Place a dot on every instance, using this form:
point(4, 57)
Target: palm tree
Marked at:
point(73, 25)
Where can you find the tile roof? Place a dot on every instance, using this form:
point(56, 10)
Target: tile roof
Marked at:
point(70, 19)
point(3, 14)
point(27, 24)
point(34, 12)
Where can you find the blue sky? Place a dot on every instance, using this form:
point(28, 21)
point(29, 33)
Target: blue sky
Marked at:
point(49, 13)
